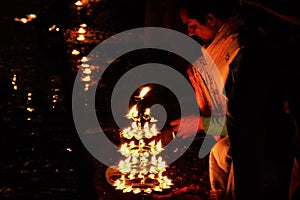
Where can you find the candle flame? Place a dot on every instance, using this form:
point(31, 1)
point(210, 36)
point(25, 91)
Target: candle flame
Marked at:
point(84, 59)
point(133, 112)
point(158, 146)
point(31, 16)
point(147, 111)
point(75, 52)
point(81, 30)
point(81, 38)
point(144, 91)
point(78, 3)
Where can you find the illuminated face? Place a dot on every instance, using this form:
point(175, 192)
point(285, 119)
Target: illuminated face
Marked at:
point(206, 32)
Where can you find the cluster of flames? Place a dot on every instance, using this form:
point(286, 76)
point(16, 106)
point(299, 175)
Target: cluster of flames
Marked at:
point(139, 130)
point(142, 170)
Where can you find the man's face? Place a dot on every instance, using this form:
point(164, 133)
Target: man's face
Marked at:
point(206, 32)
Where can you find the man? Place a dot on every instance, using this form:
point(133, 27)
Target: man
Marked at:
point(256, 119)
point(218, 32)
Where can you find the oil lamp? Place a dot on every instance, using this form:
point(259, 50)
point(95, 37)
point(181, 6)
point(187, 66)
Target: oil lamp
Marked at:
point(142, 169)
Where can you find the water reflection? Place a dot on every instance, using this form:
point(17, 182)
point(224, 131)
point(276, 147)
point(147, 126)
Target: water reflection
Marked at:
point(40, 152)
point(26, 19)
point(14, 80)
point(56, 93)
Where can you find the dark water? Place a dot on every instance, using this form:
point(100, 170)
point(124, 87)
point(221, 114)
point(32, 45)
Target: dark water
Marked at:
point(41, 155)
point(39, 158)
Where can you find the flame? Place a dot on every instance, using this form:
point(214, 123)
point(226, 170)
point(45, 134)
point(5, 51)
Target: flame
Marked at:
point(137, 190)
point(142, 164)
point(31, 16)
point(75, 52)
point(81, 37)
point(125, 165)
point(133, 112)
point(153, 129)
point(28, 18)
point(81, 30)
point(161, 165)
point(148, 190)
point(158, 146)
point(146, 125)
point(131, 176)
point(84, 59)
point(128, 189)
point(152, 143)
point(86, 78)
point(23, 20)
point(157, 189)
point(87, 71)
point(147, 111)
point(78, 3)
point(144, 91)
point(131, 144)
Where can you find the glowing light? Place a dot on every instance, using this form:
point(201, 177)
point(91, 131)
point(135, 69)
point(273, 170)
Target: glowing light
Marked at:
point(84, 59)
point(78, 3)
point(173, 135)
point(86, 78)
point(86, 87)
point(75, 52)
point(26, 19)
point(85, 65)
point(87, 71)
point(81, 37)
point(144, 91)
point(141, 170)
point(52, 27)
point(81, 30)
point(133, 112)
point(147, 111)
point(14, 79)
point(32, 16)
point(30, 109)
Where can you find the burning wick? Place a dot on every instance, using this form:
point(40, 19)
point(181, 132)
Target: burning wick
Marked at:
point(138, 99)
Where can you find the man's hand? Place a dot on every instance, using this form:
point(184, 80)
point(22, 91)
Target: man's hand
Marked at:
point(187, 126)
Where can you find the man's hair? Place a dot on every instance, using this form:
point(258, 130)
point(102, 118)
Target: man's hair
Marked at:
point(198, 9)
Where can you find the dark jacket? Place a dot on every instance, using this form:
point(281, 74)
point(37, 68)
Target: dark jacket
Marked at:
point(259, 126)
